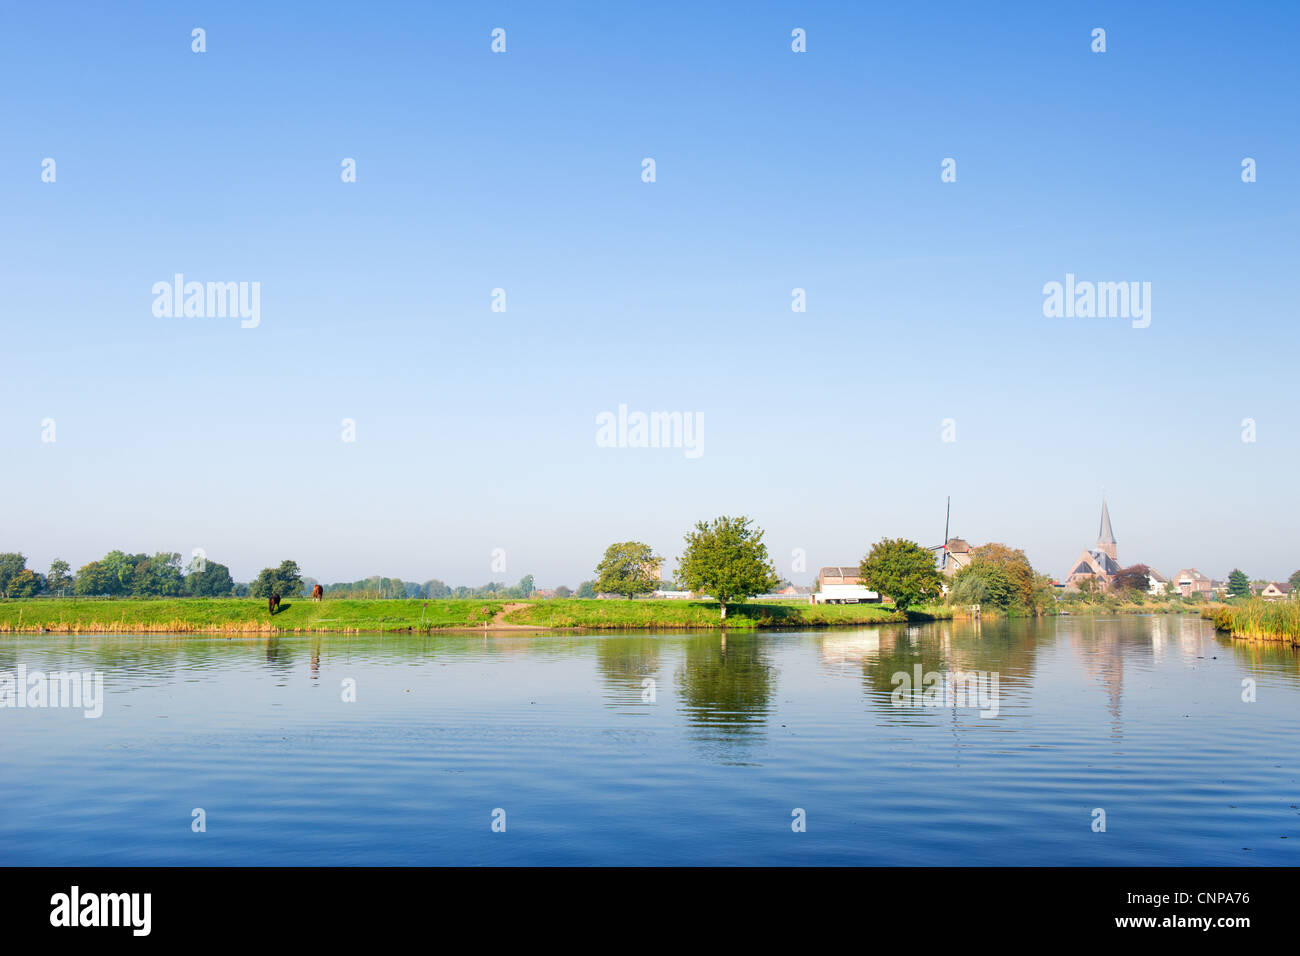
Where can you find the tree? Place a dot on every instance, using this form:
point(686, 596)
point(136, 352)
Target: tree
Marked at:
point(1016, 566)
point(121, 571)
point(726, 559)
point(526, 586)
point(213, 581)
point(587, 589)
point(1238, 584)
point(58, 580)
point(1136, 577)
point(903, 570)
point(286, 580)
point(563, 591)
point(628, 567)
point(1294, 580)
point(11, 565)
point(95, 578)
point(982, 582)
point(24, 584)
point(159, 576)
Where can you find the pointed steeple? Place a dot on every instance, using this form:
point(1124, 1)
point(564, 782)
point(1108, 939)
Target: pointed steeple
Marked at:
point(1105, 536)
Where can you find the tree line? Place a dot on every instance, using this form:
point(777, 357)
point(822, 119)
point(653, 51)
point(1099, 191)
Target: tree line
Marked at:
point(117, 574)
point(122, 575)
point(725, 559)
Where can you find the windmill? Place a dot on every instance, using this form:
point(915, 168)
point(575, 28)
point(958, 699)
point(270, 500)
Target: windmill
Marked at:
point(943, 548)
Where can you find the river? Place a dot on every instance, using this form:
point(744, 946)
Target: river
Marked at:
point(638, 749)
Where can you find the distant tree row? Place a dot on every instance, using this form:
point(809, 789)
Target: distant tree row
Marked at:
point(375, 587)
point(725, 558)
point(117, 574)
point(123, 575)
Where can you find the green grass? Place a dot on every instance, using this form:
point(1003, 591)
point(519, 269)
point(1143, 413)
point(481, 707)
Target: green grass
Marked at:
point(1257, 619)
point(573, 612)
point(301, 615)
point(238, 615)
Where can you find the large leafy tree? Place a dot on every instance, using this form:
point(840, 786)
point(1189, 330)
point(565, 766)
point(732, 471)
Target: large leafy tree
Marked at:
point(628, 567)
point(1294, 580)
point(95, 578)
point(213, 581)
point(726, 559)
point(1136, 577)
point(1016, 566)
point(121, 568)
point(1238, 584)
point(982, 582)
point(60, 578)
point(159, 576)
point(902, 570)
point(11, 565)
point(24, 584)
point(286, 581)
point(586, 589)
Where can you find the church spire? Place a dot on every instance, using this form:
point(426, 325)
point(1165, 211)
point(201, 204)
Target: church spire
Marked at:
point(1105, 536)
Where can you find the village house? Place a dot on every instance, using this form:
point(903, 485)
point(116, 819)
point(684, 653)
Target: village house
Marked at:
point(1277, 591)
point(1156, 582)
point(837, 575)
point(795, 590)
point(1190, 581)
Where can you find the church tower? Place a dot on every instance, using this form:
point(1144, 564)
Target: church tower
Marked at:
point(1106, 537)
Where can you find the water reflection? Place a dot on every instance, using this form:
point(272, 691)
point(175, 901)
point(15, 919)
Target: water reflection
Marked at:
point(629, 668)
point(725, 687)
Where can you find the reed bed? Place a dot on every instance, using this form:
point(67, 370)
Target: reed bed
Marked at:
point(1258, 620)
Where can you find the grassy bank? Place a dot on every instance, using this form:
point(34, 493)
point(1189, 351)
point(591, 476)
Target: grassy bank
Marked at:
point(1258, 620)
point(691, 614)
point(301, 615)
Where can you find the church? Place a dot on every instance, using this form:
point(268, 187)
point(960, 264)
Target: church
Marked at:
point(1101, 563)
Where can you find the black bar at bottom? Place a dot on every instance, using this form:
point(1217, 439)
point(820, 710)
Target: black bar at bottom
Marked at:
point(333, 906)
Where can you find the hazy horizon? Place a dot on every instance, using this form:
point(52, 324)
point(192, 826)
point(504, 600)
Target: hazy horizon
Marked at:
point(477, 430)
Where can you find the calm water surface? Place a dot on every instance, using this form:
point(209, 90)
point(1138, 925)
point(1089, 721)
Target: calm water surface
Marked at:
point(1142, 717)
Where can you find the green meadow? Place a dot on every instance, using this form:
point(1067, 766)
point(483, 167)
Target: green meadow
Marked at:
point(302, 615)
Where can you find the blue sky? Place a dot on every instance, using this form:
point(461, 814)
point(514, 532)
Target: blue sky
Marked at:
point(475, 429)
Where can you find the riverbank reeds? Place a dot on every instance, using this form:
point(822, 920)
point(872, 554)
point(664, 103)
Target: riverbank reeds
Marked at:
point(1258, 620)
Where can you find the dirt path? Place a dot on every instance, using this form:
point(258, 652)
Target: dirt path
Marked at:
point(499, 620)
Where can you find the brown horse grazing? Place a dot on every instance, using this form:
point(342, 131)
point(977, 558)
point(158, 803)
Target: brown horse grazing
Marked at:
point(273, 603)
point(317, 593)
